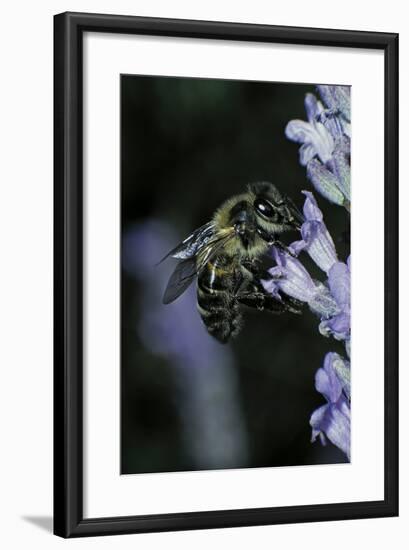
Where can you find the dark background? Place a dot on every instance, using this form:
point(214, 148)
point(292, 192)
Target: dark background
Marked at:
point(187, 145)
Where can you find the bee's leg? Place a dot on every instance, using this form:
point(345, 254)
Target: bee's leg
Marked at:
point(245, 280)
point(263, 301)
point(292, 304)
point(297, 217)
point(255, 271)
point(283, 247)
point(252, 265)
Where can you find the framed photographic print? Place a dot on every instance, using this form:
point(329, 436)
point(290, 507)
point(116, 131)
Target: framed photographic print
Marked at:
point(226, 280)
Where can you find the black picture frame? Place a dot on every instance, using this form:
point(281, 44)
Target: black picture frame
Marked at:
point(68, 274)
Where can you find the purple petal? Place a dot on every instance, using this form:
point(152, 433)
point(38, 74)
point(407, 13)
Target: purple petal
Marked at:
point(343, 371)
point(337, 426)
point(271, 285)
point(306, 153)
point(291, 277)
point(338, 326)
point(299, 131)
point(279, 257)
point(325, 182)
point(340, 285)
point(327, 383)
point(317, 421)
point(334, 421)
point(313, 107)
point(322, 303)
point(320, 245)
point(310, 209)
point(323, 143)
point(326, 93)
point(313, 134)
point(333, 124)
point(338, 371)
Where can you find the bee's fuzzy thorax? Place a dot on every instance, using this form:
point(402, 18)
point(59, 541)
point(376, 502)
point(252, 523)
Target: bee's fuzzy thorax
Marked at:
point(235, 248)
point(221, 217)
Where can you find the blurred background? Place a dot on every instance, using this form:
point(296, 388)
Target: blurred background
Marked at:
point(188, 402)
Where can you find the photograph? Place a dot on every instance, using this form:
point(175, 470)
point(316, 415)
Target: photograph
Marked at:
point(235, 333)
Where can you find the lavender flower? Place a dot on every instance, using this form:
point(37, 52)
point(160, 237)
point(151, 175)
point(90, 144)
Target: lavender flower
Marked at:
point(291, 277)
point(330, 301)
point(338, 99)
point(333, 420)
point(327, 184)
point(325, 142)
point(316, 240)
point(339, 281)
point(313, 135)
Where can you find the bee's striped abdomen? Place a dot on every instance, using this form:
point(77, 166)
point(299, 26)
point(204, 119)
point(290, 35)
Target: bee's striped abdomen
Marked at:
point(217, 304)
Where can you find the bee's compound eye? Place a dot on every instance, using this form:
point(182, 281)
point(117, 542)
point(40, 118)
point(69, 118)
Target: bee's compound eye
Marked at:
point(264, 208)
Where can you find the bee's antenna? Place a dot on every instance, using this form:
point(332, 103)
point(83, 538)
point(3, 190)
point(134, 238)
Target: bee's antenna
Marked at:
point(296, 213)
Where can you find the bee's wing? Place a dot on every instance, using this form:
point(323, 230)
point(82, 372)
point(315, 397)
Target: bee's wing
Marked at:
point(189, 246)
point(187, 269)
point(180, 279)
point(209, 250)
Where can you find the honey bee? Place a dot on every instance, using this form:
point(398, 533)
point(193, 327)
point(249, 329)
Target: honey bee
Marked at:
point(224, 256)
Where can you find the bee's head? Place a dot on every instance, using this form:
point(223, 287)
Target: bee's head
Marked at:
point(274, 213)
point(257, 216)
